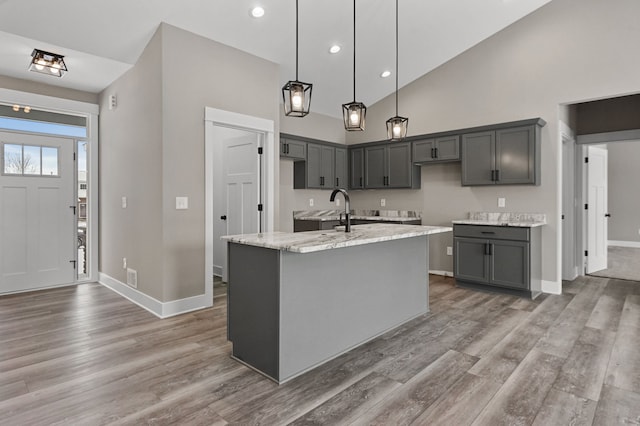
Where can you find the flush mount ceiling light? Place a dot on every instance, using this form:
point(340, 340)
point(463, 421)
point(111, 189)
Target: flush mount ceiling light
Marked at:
point(257, 12)
point(296, 95)
point(397, 126)
point(354, 113)
point(334, 49)
point(47, 63)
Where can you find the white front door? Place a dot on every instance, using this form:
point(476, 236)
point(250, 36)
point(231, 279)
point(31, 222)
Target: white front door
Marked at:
point(236, 190)
point(597, 233)
point(37, 212)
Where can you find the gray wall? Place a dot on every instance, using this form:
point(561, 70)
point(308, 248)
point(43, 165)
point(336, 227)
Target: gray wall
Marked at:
point(624, 196)
point(315, 126)
point(131, 166)
point(178, 75)
point(47, 90)
point(561, 54)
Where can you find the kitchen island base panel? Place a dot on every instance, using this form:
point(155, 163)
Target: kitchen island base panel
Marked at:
point(327, 302)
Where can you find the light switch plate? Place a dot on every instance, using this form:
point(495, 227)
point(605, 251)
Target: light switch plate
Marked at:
point(310, 202)
point(182, 203)
point(124, 202)
point(383, 202)
point(502, 202)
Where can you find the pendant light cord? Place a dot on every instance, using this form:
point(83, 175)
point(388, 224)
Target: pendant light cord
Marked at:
point(396, 58)
point(297, 40)
point(354, 51)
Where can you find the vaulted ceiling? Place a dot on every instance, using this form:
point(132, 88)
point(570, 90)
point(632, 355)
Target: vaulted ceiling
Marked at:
point(103, 39)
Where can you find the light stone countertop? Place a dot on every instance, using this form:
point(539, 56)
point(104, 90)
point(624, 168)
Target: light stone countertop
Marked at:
point(312, 241)
point(377, 215)
point(520, 220)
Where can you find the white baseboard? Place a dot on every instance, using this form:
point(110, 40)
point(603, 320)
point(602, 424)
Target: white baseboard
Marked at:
point(551, 287)
point(632, 244)
point(443, 273)
point(159, 309)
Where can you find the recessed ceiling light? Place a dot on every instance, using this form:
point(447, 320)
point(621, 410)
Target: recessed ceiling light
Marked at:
point(385, 74)
point(257, 12)
point(334, 49)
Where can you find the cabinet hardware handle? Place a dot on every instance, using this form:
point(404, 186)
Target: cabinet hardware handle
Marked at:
point(432, 153)
point(486, 249)
point(223, 217)
point(337, 181)
point(321, 180)
point(493, 175)
point(436, 150)
point(497, 175)
point(360, 181)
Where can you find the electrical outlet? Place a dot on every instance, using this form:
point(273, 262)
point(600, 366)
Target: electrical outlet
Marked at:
point(310, 202)
point(338, 202)
point(182, 203)
point(449, 251)
point(124, 202)
point(502, 202)
point(383, 202)
point(124, 263)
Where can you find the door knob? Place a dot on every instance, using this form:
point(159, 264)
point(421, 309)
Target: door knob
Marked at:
point(223, 217)
point(607, 215)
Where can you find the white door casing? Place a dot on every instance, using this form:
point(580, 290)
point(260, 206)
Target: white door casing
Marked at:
point(37, 248)
point(597, 233)
point(215, 121)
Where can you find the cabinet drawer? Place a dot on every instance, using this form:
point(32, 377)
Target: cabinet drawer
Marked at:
point(491, 232)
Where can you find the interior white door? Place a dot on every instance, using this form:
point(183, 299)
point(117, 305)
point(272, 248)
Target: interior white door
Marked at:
point(37, 212)
point(597, 233)
point(236, 203)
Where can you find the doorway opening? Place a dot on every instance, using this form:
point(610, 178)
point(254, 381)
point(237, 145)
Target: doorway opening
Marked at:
point(44, 156)
point(604, 211)
point(239, 190)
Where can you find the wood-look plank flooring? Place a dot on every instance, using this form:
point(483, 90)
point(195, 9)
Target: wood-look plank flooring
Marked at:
point(85, 356)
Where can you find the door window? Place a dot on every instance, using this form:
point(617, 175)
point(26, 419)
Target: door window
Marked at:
point(30, 160)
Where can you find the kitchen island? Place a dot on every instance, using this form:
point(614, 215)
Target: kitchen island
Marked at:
point(297, 300)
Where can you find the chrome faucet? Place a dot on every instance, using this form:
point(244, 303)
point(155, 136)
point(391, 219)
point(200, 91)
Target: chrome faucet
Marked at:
point(347, 209)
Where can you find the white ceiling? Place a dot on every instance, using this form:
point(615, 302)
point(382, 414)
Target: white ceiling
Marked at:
point(103, 39)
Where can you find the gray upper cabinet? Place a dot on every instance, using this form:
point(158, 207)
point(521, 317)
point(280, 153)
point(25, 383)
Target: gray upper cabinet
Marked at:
point(320, 166)
point(290, 148)
point(446, 148)
point(390, 166)
point(356, 168)
point(505, 156)
point(342, 169)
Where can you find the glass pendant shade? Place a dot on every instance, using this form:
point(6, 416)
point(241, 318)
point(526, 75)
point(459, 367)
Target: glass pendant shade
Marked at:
point(47, 63)
point(296, 97)
point(354, 114)
point(397, 128)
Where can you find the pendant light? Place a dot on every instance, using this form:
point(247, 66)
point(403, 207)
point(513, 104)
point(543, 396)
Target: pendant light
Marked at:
point(397, 126)
point(296, 95)
point(354, 113)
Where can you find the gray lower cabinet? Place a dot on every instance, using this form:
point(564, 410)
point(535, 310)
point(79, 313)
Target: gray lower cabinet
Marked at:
point(320, 166)
point(506, 258)
point(390, 166)
point(293, 149)
point(505, 156)
point(356, 168)
point(434, 150)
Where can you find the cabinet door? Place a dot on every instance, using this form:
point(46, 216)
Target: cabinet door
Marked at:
point(375, 166)
point(424, 151)
point(314, 166)
point(510, 264)
point(356, 169)
point(478, 158)
point(327, 167)
point(290, 148)
point(470, 259)
point(399, 157)
point(447, 148)
point(515, 155)
point(341, 168)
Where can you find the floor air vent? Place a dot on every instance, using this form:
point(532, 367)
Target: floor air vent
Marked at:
point(132, 277)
